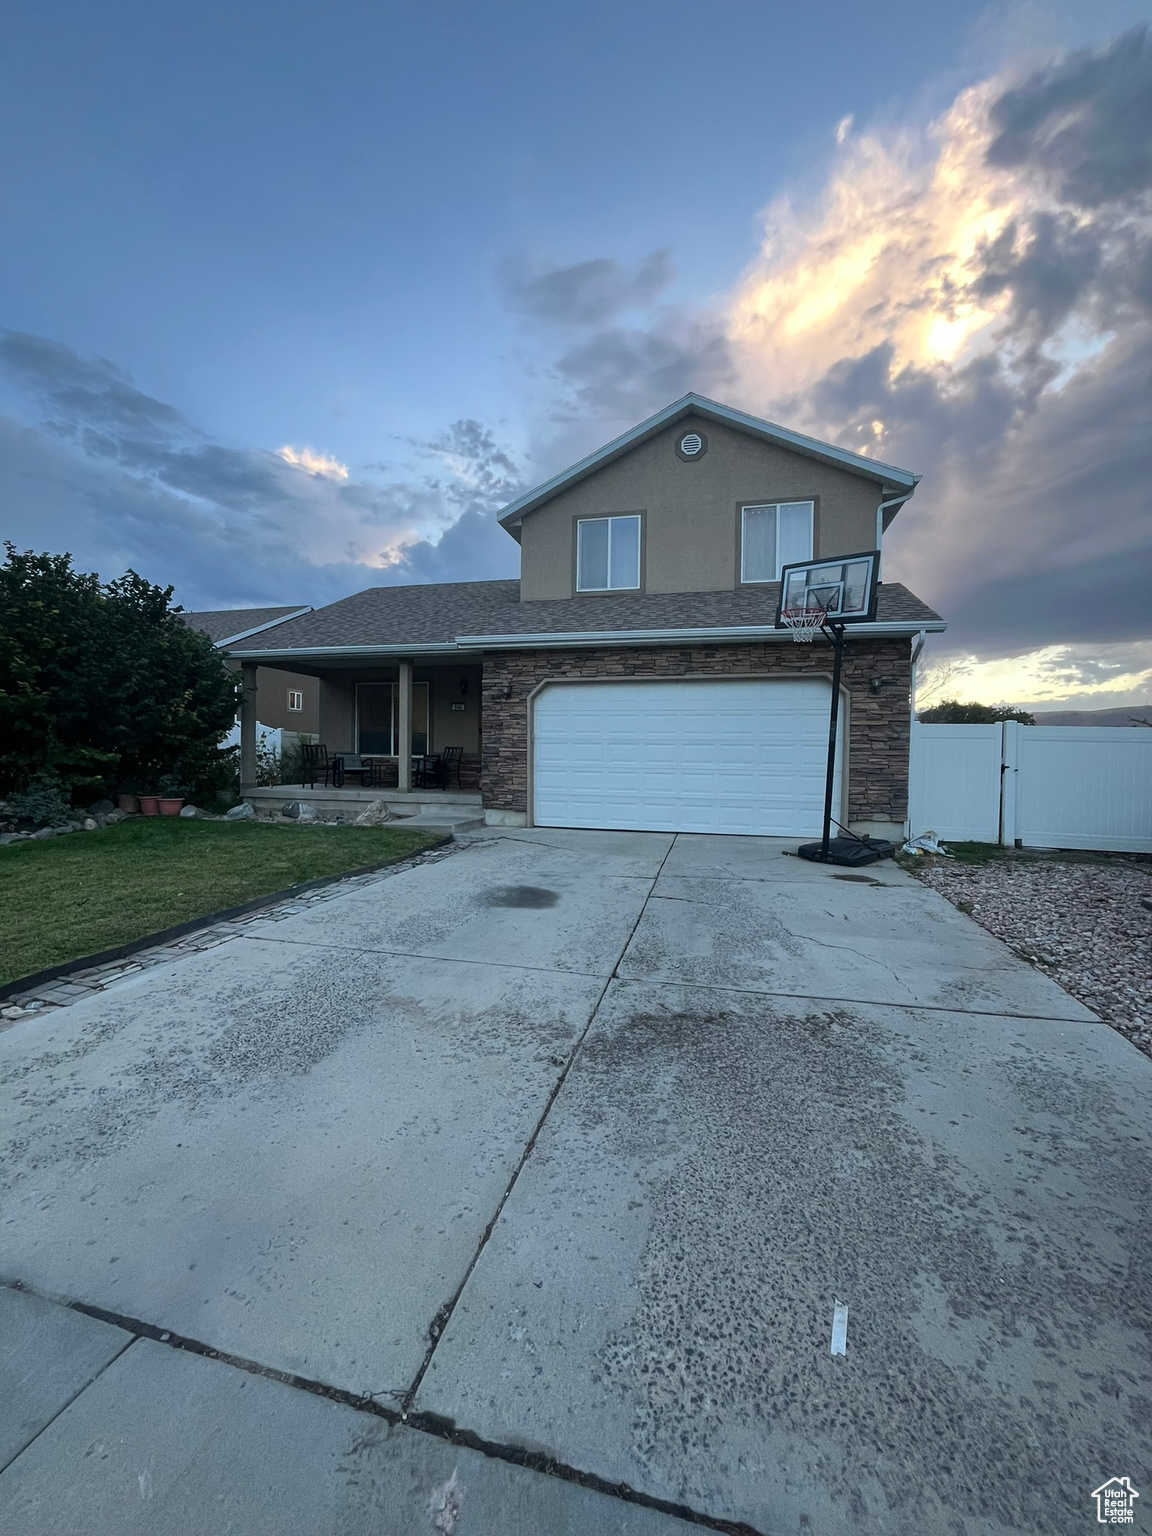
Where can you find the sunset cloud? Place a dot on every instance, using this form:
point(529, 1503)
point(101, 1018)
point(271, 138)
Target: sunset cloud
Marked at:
point(972, 299)
point(315, 463)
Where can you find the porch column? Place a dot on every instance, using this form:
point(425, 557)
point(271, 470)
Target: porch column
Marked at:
point(404, 744)
point(247, 726)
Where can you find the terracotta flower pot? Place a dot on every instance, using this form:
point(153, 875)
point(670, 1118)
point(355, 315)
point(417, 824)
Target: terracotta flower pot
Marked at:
point(170, 805)
point(149, 805)
point(129, 804)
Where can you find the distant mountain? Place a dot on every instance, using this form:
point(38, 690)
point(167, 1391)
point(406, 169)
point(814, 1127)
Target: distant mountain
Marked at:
point(1130, 714)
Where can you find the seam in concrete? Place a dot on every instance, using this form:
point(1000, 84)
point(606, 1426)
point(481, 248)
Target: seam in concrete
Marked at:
point(443, 1316)
point(422, 1423)
point(64, 1406)
point(860, 1002)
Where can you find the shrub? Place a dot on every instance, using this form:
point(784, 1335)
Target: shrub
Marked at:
point(103, 683)
point(951, 712)
point(292, 757)
point(44, 803)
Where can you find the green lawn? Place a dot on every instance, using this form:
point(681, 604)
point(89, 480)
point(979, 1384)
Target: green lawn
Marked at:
point(67, 897)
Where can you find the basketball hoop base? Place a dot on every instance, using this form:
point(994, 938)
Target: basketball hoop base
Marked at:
point(849, 851)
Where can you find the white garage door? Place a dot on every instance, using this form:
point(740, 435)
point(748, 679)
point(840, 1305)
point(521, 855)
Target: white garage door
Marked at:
point(727, 755)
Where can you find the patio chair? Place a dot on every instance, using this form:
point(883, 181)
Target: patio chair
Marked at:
point(351, 765)
point(427, 771)
point(314, 761)
point(450, 766)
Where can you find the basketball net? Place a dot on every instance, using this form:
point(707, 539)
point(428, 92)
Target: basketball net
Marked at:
point(805, 623)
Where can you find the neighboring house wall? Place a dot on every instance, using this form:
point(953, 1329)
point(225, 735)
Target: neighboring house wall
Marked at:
point(878, 724)
point(690, 510)
point(272, 689)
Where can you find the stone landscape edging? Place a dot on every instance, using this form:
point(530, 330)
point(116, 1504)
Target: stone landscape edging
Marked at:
point(195, 924)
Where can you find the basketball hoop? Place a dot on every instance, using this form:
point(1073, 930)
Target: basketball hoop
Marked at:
point(805, 623)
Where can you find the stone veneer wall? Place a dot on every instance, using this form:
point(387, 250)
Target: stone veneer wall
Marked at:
point(878, 723)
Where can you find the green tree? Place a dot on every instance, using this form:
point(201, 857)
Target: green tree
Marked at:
point(952, 712)
point(103, 683)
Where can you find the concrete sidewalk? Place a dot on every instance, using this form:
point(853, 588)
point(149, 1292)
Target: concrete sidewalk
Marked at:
point(569, 1144)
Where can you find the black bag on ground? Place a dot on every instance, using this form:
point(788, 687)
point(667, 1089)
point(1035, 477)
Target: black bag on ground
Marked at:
point(848, 850)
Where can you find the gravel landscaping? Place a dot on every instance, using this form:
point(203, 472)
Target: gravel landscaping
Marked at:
point(1083, 923)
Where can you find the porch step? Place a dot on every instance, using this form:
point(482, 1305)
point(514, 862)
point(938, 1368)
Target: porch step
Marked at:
point(441, 821)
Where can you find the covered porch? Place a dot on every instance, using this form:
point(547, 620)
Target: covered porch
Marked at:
point(416, 719)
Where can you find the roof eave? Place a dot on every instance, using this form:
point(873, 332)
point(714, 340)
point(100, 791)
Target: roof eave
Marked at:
point(311, 652)
point(879, 629)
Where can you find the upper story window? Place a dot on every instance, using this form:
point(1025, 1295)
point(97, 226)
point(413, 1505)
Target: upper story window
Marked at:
point(295, 698)
point(773, 536)
point(608, 554)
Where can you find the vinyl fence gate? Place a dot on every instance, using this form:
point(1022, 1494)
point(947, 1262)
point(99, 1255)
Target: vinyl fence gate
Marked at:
point(1042, 786)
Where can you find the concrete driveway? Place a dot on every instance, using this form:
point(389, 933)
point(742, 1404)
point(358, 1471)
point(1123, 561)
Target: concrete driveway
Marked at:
point(560, 1152)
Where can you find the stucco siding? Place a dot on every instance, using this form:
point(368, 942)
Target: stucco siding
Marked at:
point(272, 687)
point(690, 525)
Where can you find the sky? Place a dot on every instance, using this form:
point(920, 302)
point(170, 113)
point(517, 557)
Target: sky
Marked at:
point(293, 298)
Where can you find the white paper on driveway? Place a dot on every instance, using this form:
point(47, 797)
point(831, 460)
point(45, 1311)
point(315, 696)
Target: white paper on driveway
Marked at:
point(840, 1329)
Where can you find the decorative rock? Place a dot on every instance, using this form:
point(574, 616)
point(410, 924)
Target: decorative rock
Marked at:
point(242, 812)
point(101, 808)
point(44, 832)
point(8, 837)
point(90, 825)
point(374, 815)
point(189, 812)
point(300, 810)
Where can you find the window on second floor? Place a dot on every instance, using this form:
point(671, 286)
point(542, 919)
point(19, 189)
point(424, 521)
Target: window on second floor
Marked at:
point(295, 698)
point(773, 536)
point(608, 554)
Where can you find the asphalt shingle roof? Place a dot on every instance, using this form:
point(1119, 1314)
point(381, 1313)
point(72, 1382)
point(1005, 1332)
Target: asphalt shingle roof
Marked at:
point(435, 615)
point(219, 623)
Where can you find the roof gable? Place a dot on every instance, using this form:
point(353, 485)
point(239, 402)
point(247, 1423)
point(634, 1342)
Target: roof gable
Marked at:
point(887, 476)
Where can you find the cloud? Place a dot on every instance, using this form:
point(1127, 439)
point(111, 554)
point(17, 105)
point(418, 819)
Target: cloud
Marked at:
point(588, 293)
point(92, 392)
point(314, 463)
point(1091, 678)
point(1084, 124)
point(120, 479)
point(480, 469)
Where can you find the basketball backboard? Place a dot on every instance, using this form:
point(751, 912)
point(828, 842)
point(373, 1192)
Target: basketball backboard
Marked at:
point(844, 588)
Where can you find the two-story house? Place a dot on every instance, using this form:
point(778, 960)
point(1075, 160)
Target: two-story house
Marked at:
point(634, 676)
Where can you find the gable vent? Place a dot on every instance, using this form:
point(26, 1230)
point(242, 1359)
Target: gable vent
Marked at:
point(691, 444)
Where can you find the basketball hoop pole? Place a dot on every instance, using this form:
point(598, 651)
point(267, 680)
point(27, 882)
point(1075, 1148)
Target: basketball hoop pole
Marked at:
point(836, 633)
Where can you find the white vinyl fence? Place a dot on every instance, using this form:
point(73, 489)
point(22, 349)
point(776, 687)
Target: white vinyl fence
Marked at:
point(269, 738)
point(1043, 786)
